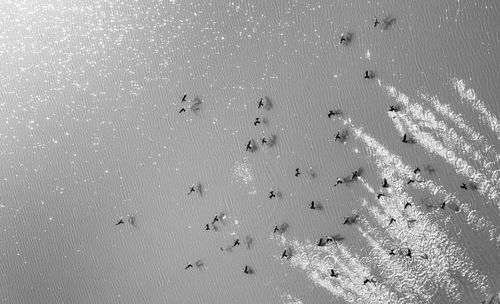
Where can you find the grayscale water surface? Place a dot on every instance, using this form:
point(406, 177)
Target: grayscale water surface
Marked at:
point(90, 133)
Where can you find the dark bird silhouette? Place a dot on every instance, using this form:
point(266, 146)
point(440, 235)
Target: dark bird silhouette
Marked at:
point(442, 205)
point(417, 170)
point(236, 242)
point(405, 140)
point(393, 109)
point(312, 205)
point(339, 181)
point(321, 242)
point(257, 121)
point(247, 270)
point(264, 141)
point(276, 229)
point(271, 194)
point(355, 175)
point(191, 190)
point(369, 281)
point(182, 110)
point(120, 222)
point(337, 136)
point(184, 98)
point(345, 39)
point(285, 254)
point(207, 227)
point(410, 181)
point(385, 184)
point(333, 273)
point(408, 205)
point(250, 146)
point(350, 219)
point(189, 266)
point(334, 238)
point(261, 103)
point(375, 22)
point(380, 195)
point(463, 186)
point(391, 252)
point(392, 220)
point(216, 219)
point(334, 113)
point(297, 173)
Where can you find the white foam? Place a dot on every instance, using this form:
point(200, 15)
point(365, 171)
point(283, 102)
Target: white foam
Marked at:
point(469, 96)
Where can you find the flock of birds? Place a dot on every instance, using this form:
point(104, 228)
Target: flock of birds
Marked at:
point(341, 136)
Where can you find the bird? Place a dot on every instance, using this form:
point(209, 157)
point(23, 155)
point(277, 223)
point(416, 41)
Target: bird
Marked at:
point(337, 137)
point(271, 194)
point(184, 98)
point(191, 190)
point(404, 139)
point(207, 227)
point(343, 39)
point(236, 242)
point(391, 252)
point(321, 242)
point(297, 173)
point(463, 186)
point(410, 181)
point(442, 205)
point(331, 113)
point(416, 170)
point(312, 205)
point(333, 273)
point(355, 175)
point(285, 254)
point(276, 229)
point(385, 184)
point(189, 266)
point(375, 22)
point(250, 146)
point(368, 75)
point(339, 181)
point(393, 109)
point(216, 219)
point(182, 110)
point(257, 121)
point(247, 270)
point(348, 220)
point(408, 204)
point(260, 104)
point(264, 141)
point(392, 220)
point(120, 222)
point(380, 195)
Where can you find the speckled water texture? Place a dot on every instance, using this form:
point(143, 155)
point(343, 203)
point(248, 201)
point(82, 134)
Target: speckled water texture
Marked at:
point(91, 134)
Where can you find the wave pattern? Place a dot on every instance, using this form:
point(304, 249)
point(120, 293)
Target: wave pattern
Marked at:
point(439, 265)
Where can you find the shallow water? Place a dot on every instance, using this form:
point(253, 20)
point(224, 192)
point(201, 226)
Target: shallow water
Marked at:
point(90, 133)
